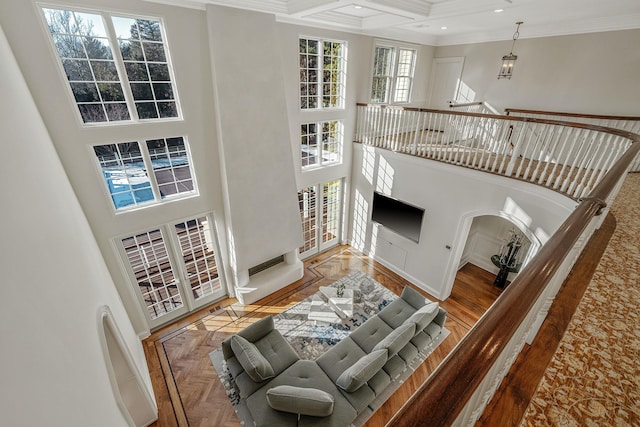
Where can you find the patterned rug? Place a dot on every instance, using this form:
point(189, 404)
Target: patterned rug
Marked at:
point(594, 376)
point(310, 338)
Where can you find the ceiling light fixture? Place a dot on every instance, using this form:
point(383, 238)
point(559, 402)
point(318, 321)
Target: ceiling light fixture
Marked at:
point(498, 10)
point(357, 7)
point(443, 28)
point(509, 61)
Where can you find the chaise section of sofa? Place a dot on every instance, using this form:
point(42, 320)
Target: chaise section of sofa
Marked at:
point(280, 389)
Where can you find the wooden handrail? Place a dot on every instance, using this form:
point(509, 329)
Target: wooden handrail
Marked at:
point(565, 114)
point(466, 104)
point(443, 396)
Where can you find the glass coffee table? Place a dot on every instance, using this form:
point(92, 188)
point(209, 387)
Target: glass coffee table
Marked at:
point(327, 306)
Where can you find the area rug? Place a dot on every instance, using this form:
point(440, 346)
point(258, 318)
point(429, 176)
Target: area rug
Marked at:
point(310, 339)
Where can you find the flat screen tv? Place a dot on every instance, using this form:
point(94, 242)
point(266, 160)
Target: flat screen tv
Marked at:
point(397, 216)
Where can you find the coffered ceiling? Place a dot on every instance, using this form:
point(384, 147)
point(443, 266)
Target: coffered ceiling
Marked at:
point(444, 22)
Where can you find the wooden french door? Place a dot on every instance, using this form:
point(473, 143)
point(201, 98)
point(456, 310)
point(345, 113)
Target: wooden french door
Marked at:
point(174, 268)
point(320, 210)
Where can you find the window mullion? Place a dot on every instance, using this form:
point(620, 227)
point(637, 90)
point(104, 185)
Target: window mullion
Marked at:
point(119, 62)
point(319, 138)
point(320, 94)
point(150, 172)
point(394, 75)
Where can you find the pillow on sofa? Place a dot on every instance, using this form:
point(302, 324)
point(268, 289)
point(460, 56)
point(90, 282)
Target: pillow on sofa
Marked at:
point(299, 400)
point(253, 362)
point(397, 339)
point(424, 315)
point(362, 371)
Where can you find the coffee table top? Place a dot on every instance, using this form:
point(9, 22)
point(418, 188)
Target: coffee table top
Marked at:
point(334, 309)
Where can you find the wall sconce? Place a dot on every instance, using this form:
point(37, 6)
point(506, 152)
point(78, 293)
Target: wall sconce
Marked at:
point(509, 61)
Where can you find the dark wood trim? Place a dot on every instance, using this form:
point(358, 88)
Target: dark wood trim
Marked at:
point(564, 114)
point(466, 104)
point(512, 398)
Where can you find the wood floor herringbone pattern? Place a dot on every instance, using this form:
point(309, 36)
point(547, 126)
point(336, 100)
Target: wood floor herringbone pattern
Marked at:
point(186, 385)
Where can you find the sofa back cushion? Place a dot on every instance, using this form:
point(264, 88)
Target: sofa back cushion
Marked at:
point(397, 339)
point(300, 400)
point(362, 371)
point(424, 315)
point(253, 362)
point(413, 297)
point(396, 313)
point(252, 333)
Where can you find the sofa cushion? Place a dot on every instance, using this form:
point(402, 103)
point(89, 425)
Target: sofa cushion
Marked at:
point(396, 313)
point(365, 368)
point(421, 340)
point(303, 373)
point(251, 333)
point(300, 400)
point(370, 333)
point(413, 297)
point(408, 352)
point(340, 358)
point(424, 315)
point(277, 350)
point(394, 366)
point(397, 339)
point(433, 330)
point(253, 362)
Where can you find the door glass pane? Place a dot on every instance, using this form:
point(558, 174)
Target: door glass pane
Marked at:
point(307, 202)
point(147, 254)
point(330, 210)
point(198, 252)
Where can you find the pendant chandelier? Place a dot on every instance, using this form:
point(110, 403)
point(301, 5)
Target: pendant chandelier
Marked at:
point(509, 61)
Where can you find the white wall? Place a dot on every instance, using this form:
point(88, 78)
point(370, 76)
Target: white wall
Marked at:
point(588, 73)
point(451, 196)
point(254, 134)
point(54, 280)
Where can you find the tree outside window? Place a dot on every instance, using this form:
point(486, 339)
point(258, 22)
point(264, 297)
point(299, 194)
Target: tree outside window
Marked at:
point(102, 92)
point(322, 73)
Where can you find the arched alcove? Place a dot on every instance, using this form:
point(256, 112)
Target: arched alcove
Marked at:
point(129, 390)
point(491, 227)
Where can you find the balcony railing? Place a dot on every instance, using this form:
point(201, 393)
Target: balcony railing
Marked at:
point(628, 123)
point(568, 158)
point(581, 160)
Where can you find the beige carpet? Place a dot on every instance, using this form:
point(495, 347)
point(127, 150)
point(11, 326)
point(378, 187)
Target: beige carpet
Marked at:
point(594, 377)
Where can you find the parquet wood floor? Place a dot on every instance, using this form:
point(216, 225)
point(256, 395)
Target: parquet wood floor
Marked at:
point(188, 391)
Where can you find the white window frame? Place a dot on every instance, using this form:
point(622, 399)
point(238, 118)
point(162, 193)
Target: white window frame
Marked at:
point(342, 73)
point(320, 144)
point(157, 196)
point(174, 253)
point(332, 218)
point(393, 77)
point(119, 63)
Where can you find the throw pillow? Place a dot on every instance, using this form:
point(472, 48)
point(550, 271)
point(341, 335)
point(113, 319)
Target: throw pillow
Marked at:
point(362, 371)
point(397, 339)
point(424, 315)
point(299, 400)
point(253, 362)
